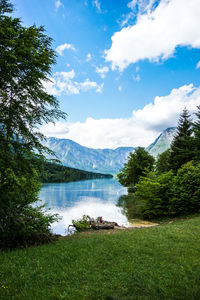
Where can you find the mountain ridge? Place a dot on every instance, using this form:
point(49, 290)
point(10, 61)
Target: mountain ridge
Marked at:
point(108, 161)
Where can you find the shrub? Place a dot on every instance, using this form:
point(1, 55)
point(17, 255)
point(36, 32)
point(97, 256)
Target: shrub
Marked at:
point(29, 227)
point(154, 192)
point(82, 224)
point(186, 190)
point(20, 223)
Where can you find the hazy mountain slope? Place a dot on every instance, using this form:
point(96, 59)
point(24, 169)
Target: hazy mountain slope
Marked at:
point(107, 161)
point(73, 155)
point(163, 142)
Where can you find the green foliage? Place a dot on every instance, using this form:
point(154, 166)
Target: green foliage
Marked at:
point(139, 164)
point(186, 190)
point(20, 223)
point(182, 147)
point(28, 226)
point(162, 163)
point(82, 224)
point(53, 172)
point(196, 130)
point(154, 193)
point(25, 64)
point(165, 194)
point(130, 205)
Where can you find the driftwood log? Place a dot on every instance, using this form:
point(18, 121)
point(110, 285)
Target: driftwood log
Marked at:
point(98, 224)
point(102, 226)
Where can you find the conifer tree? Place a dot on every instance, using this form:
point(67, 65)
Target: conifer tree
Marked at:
point(182, 147)
point(196, 130)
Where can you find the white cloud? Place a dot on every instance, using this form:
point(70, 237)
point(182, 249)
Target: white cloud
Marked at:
point(119, 88)
point(65, 75)
point(132, 4)
point(156, 33)
point(89, 57)
point(143, 126)
point(97, 4)
point(143, 6)
point(136, 78)
point(127, 18)
point(64, 83)
point(88, 85)
point(102, 71)
point(138, 7)
point(63, 47)
point(198, 65)
point(137, 69)
point(58, 4)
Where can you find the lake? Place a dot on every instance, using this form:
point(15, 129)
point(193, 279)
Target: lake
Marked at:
point(72, 200)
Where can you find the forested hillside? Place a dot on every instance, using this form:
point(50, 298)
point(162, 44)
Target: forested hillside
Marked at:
point(53, 172)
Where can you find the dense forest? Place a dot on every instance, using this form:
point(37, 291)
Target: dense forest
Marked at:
point(53, 172)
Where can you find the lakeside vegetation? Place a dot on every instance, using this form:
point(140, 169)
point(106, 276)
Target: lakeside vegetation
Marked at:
point(169, 186)
point(25, 64)
point(53, 172)
point(152, 263)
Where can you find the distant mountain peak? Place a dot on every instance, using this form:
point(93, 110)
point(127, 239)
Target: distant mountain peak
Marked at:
point(109, 161)
point(163, 142)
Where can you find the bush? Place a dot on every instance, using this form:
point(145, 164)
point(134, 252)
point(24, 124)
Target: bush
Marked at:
point(154, 193)
point(30, 227)
point(82, 224)
point(186, 190)
point(20, 223)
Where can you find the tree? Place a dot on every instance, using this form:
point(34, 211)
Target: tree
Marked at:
point(154, 194)
point(162, 163)
point(139, 163)
point(196, 130)
point(25, 64)
point(182, 147)
point(186, 190)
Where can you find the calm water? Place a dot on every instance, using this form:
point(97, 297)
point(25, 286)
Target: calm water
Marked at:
point(72, 200)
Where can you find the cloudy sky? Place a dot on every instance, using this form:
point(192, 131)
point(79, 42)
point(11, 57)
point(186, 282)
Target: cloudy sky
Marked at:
point(125, 69)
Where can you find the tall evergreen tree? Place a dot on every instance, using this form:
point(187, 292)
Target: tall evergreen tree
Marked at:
point(196, 130)
point(182, 147)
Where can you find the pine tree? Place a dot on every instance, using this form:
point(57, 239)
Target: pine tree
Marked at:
point(196, 130)
point(182, 147)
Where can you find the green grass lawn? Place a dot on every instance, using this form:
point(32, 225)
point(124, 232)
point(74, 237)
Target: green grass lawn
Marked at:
point(153, 263)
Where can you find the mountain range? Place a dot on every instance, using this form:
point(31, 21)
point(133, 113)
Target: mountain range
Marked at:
point(108, 161)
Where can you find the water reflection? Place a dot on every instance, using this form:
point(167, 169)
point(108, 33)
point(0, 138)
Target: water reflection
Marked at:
point(91, 197)
point(130, 206)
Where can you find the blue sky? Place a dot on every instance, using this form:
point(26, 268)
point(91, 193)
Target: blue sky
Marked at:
point(125, 69)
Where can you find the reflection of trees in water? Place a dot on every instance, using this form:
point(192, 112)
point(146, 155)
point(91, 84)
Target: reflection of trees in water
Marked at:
point(130, 205)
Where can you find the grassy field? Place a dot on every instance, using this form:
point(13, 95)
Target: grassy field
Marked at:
point(153, 263)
